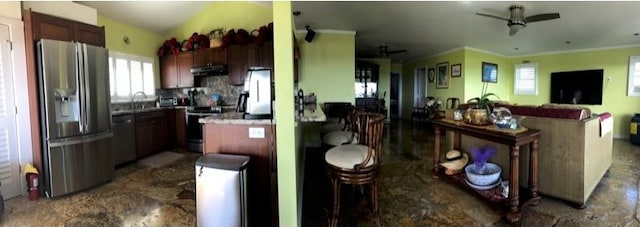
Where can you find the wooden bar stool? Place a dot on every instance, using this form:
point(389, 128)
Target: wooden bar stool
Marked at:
point(336, 113)
point(347, 136)
point(357, 164)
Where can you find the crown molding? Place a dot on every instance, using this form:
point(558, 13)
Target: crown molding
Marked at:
point(577, 51)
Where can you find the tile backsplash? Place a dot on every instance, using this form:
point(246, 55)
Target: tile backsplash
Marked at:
point(209, 85)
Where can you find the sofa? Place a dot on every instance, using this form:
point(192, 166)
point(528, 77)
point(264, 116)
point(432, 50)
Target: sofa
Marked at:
point(573, 152)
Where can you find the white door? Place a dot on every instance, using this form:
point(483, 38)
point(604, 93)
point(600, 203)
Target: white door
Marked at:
point(419, 89)
point(9, 161)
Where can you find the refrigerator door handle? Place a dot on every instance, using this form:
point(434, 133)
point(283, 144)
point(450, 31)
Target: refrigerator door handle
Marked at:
point(80, 80)
point(84, 60)
point(67, 142)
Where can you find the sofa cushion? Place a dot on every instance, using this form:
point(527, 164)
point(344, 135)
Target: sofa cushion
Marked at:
point(563, 113)
point(586, 111)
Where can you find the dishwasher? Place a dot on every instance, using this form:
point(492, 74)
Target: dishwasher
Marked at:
point(123, 141)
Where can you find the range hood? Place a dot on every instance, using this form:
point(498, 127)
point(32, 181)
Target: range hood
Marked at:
point(210, 70)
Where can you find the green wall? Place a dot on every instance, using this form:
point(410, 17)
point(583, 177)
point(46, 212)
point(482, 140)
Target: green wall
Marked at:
point(472, 74)
point(615, 63)
point(227, 15)
point(456, 85)
point(326, 67)
point(142, 42)
point(289, 156)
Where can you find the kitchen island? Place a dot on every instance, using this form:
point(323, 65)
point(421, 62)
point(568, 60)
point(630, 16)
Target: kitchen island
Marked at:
point(228, 133)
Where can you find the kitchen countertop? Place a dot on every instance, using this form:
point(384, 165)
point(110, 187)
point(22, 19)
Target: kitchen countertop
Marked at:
point(149, 109)
point(311, 114)
point(234, 118)
point(143, 110)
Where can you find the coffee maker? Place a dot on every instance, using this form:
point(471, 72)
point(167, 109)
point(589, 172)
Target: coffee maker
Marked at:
point(258, 91)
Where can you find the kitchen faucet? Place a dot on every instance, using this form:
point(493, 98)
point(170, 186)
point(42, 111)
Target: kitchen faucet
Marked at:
point(133, 98)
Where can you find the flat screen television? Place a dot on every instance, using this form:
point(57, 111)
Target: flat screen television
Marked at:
point(577, 87)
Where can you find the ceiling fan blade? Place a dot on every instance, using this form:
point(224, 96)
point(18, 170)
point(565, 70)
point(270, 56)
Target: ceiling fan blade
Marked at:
point(396, 52)
point(541, 17)
point(493, 16)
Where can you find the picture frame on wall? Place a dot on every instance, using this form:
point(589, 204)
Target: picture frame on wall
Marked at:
point(456, 70)
point(442, 75)
point(489, 72)
point(431, 72)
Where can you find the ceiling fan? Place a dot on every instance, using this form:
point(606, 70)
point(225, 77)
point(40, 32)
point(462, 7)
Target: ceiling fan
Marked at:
point(517, 21)
point(383, 51)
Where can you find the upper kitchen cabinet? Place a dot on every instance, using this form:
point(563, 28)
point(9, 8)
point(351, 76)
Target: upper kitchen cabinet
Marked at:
point(176, 70)
point(241, 57)
point(44, 26)
point(210, 56)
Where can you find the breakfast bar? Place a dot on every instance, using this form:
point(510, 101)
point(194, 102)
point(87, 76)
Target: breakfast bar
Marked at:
point(513, 139)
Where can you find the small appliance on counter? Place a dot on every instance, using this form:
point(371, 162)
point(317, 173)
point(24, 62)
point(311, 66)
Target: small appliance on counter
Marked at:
point(167, 101)
point(241, 107)
point(184, 101)
point(260, 94)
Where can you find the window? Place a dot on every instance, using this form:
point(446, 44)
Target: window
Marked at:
point(634, 76)
point(526, 79)
point(129, 74)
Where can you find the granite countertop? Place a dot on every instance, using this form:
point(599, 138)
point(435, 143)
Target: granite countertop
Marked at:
point(311, 113)
point(149, 109)
point(234, 118)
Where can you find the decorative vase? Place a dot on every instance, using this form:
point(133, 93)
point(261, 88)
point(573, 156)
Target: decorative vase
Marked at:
point(478, 116)
point(490, 174)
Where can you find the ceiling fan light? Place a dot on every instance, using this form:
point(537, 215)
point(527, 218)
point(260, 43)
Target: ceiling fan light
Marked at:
point(517, 26)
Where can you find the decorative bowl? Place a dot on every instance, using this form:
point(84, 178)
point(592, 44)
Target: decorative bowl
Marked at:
point(503, 124)
point(490, 175)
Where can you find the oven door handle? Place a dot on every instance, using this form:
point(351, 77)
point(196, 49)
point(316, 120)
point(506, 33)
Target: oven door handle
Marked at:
point(202, 114)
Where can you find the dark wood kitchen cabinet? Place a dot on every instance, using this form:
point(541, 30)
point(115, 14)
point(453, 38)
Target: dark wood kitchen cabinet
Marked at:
point(263, 191)
point(178, 128)
point(151, 132)
point(175, 70)
point(210, 56)
point(44, 26)
point(241, 57)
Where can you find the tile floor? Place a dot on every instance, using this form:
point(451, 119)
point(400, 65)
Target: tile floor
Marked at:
point(142, 196)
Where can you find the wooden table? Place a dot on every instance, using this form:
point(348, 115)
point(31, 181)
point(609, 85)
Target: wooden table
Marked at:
point(514, 141)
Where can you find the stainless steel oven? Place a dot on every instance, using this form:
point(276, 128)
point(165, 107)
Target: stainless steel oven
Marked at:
point(194, 128)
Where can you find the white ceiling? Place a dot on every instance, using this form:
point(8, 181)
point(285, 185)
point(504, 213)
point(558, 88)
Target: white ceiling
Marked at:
point(428, 28)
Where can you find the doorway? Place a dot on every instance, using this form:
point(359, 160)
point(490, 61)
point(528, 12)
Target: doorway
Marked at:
point(394, 97)
point(9, 153)
point(419, 88)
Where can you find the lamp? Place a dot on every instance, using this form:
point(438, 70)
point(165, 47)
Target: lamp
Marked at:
point(310, 34)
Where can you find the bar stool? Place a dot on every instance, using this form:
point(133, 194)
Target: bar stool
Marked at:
point(347, 136)
point(357, 164)
point(336, 113)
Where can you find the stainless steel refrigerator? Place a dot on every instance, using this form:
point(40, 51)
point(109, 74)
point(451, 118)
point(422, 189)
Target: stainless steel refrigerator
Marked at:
point(75, 116)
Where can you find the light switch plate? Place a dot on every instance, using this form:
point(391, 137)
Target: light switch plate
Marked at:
point(256, 132)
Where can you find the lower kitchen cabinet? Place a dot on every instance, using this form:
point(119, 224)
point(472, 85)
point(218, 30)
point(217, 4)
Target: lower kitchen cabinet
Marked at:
point(151, 132)
point(178, 128)
point(262, 172)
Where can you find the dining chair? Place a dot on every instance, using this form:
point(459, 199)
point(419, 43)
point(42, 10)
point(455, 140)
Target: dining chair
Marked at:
point(357, 164)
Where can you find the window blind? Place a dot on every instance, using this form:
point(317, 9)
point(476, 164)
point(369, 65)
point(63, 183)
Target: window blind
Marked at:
point(526, 79)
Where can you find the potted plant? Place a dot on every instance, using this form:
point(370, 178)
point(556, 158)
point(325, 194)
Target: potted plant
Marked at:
point(480, 107)
point(482, 173)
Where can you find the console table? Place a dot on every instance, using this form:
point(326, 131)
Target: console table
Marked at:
point(514, 141)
